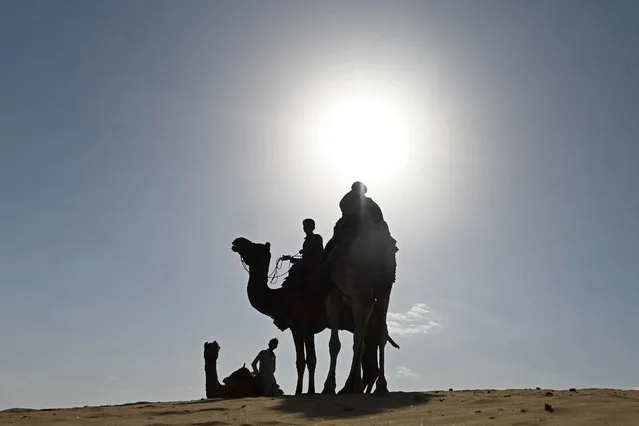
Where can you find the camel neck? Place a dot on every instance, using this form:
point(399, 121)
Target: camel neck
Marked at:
point(210, 366)
point(259, 293)
point(213, 375)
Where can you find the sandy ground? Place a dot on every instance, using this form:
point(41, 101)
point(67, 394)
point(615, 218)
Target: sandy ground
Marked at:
point(469, 407)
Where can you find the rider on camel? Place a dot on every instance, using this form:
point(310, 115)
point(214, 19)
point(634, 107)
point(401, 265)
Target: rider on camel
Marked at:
point(312, 251)
point(304, 270)
point(356, 207)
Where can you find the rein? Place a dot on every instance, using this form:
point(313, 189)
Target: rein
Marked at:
point(274, 276)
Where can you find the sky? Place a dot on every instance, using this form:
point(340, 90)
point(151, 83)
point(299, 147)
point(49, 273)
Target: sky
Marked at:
point(138, 139)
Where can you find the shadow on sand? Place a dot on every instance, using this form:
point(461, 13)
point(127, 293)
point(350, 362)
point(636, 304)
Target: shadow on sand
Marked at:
point(349, 406)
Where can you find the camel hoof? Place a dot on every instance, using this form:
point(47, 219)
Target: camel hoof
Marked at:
point(329, 387)
point(353, 386)
point(348, 387)
point(351, 389)
point(381, 387)
point(381, 390)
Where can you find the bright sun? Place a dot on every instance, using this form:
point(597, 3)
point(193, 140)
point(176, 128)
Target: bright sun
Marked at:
point(363, 138)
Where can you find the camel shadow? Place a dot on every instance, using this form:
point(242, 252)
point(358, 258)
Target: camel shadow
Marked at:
point(349, 406)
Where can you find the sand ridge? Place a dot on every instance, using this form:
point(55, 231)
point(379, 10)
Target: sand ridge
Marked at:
point(465, 407)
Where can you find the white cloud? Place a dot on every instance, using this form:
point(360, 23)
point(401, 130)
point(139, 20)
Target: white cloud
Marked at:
point(417, 320)
point(406, 373)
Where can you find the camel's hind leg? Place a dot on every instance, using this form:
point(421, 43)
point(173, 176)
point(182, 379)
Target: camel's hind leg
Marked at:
point(370, 369)
point(382, 385)
point(334, 305)
point(300, 361)
point(362, 310)
point(311, 358)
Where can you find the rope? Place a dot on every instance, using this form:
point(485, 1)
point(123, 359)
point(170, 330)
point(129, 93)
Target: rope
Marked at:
point(274, 276)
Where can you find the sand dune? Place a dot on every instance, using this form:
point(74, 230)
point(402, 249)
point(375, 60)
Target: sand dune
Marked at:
point(468, 407)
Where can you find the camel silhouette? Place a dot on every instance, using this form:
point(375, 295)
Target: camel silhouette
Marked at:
point(363, 270)
point(304, 307)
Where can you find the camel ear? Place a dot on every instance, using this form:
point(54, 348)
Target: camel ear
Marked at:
point(267, 245)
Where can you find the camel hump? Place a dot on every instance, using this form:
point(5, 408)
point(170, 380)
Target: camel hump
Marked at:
point(368, 243)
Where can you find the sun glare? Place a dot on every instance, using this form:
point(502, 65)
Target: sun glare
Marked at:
point(363, 138)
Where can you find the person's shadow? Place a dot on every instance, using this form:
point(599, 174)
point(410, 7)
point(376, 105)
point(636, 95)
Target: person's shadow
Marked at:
point(349, 405)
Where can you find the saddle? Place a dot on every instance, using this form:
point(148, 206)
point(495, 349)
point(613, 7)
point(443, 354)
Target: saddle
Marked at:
point(306, 292)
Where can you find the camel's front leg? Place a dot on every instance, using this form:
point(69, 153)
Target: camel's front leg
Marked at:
point(382, 385)
point(300, 362)
point(333, 309)
point(311, 358)
point(370, 369)
point(362, 309)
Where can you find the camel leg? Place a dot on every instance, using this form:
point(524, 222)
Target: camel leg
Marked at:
point(311, 358)
point(362, 309)
point(369, 367)
point(382, 385)
point(300, 362)
point(369, 362)
point(334, 346)
point(333, 308)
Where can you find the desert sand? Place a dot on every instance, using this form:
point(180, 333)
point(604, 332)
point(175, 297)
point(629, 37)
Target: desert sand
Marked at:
point(466, 407)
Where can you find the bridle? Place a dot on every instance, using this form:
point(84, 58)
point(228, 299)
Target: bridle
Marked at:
point(275, 275)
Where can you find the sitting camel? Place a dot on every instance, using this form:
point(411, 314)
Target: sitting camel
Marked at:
point(241, 383)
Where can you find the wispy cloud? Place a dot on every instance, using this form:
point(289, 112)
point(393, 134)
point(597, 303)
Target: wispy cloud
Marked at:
point(406, 373)
point(417, 320)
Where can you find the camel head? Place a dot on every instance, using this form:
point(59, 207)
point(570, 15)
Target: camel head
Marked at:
point(211, 350)
point(254, 254)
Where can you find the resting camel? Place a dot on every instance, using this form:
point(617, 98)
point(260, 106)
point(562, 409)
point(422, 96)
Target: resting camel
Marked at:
point(305, 310)
point(241, 383)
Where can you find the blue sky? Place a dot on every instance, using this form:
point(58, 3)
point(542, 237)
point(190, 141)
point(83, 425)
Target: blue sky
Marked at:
point(138, 139)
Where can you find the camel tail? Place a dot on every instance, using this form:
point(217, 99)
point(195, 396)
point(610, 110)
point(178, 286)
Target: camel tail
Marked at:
point(392, 342)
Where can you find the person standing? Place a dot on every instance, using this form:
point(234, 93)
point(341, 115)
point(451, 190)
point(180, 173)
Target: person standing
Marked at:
point(266, 370)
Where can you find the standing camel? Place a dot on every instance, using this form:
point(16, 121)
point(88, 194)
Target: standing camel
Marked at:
point(303, 307)
point(359, 271)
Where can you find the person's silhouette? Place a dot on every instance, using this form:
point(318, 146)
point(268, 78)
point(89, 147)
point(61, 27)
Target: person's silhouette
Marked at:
point(356, 208)
point(312, 251)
